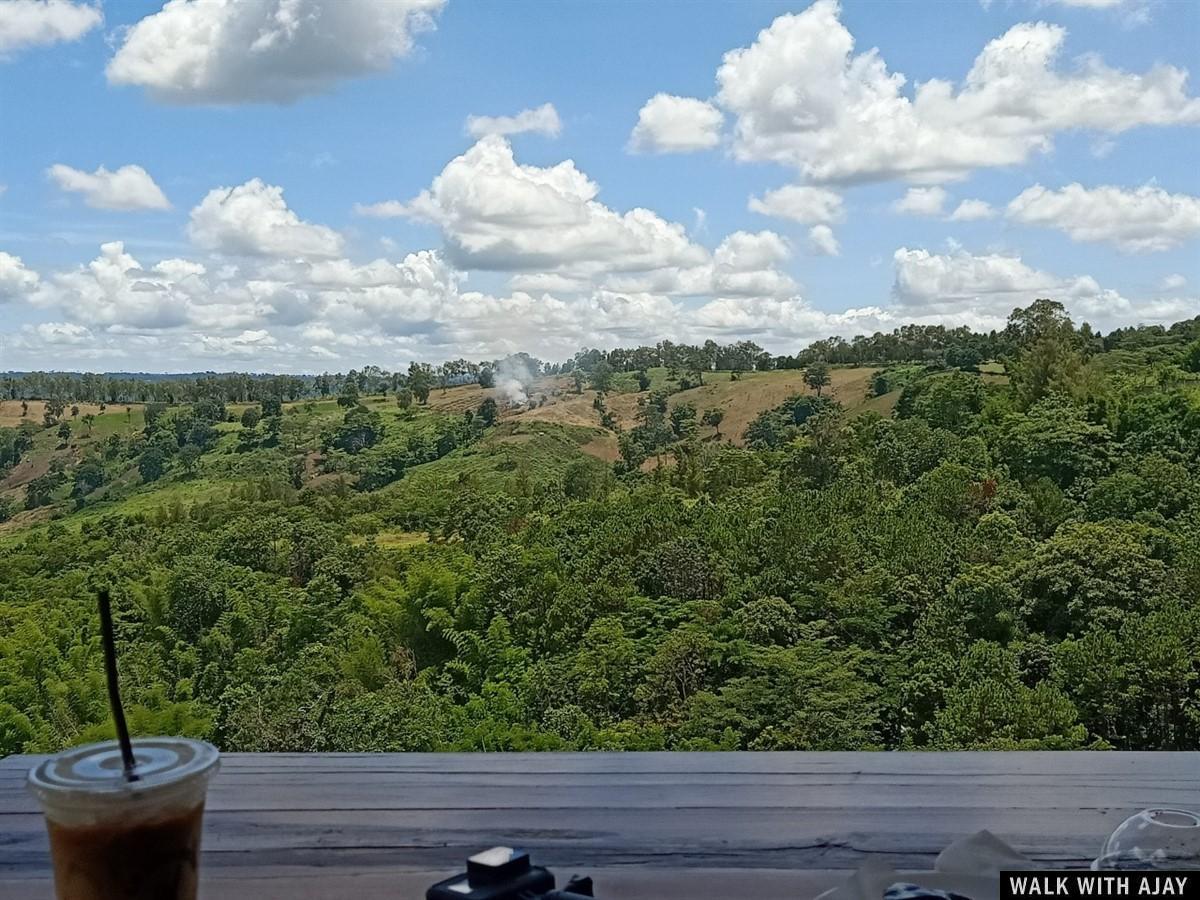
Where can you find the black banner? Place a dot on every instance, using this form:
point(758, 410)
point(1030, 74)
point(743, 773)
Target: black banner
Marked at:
point(1171, 885)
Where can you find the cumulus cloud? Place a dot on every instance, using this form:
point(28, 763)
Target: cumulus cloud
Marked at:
point(802, 203)
point(1172, 282)
point(542, 120)
point(670, 124)
point(67, 333)
point(1141, 220)
point(246, 344)
point(922, 201)
point(746, 264)
point(821, 241)
point(972, 211)
point(498, 214)
point(982, 290)
point(783, 322)
point(800, 96)
point(253, 219)
point(37, 23)
point(309, 314)
point(128, 188)
point(115, 290)
point(15, 279)
point(273, 51)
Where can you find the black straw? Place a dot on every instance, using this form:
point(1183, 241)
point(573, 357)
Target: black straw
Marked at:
point(114, 688)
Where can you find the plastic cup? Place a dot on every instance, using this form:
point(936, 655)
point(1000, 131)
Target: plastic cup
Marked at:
point(132, 839)
point(1153, 839)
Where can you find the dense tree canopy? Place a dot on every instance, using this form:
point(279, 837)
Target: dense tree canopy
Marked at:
point(1005, 562)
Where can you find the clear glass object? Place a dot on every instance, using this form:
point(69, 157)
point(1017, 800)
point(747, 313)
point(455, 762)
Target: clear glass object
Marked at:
point(1153, 839)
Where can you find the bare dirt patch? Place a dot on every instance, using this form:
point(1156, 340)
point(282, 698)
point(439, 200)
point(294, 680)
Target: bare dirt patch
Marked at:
point(603, 446)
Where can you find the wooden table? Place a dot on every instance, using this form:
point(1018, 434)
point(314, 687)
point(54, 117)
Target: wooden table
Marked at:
point(646, 826)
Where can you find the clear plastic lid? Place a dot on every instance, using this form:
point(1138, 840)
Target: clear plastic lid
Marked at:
point(1153, 839)
point(93, 774)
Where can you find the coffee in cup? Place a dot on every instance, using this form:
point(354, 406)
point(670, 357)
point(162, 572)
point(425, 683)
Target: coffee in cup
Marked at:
point(112, 837)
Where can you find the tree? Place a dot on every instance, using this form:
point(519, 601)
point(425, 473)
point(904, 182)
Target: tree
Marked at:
point(89, 475)
point(488, 412)
point(816, 376)
point(349, 394)
point(420, 381)
point(643, 380)
point(683, 419)
point(152, 464)
point(1053, 440)
point(1191, 357)
point(952, 401)
point(189, 455)
point(40, 491)
point(250, 417)
point(713, 417)
point(361, 428)
point(1042, 319)
point(487, 378)
point(64, 432)
point(601, 377)
point(89, 420)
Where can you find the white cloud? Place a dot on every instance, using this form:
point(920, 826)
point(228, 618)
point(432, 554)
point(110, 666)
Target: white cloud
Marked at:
point(387, 209)
point(1141, 220)
point(15, 279)
point(806, 204)
point(128, 188)
point(746, 265)
point(822, 242)
point(63, 333)
point(309, 315)
point(670, 124)
point(276, 51)
point(542, 120)
point(922, 201)
point(498, 214)
point(982, 290)
point(115, 290)
point(36, 23)
point(800, 96)
point(1172, 282)
point(783, 323)
point(972, 211)
point(247, 344)
point(253, 219)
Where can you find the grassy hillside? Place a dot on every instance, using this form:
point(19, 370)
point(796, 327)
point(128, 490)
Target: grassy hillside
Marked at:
point(532, 444)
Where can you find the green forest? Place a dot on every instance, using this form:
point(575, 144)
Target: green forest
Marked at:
point(928, 539)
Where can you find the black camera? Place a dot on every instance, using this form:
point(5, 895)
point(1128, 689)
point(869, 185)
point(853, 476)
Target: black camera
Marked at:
point(503, 873)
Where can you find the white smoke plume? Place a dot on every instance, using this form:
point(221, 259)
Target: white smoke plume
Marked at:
point(513, 379)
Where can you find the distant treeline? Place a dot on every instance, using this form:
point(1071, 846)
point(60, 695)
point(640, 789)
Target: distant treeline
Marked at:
point(930, 344)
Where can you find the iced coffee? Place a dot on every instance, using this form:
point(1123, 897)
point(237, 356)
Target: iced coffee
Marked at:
point(111, 837)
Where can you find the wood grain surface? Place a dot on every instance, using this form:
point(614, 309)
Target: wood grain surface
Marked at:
point(647, 826)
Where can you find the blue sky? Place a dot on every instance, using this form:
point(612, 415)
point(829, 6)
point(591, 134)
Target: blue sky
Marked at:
point(504, 251)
